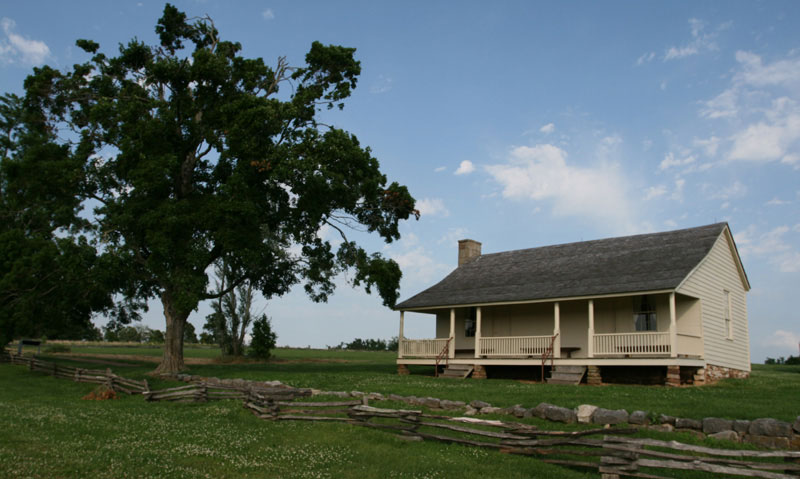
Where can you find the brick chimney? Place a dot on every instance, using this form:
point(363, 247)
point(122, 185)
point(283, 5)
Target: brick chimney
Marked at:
point(468, 250)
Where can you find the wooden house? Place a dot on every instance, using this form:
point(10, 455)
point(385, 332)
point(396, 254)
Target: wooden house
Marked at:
point(671, 303)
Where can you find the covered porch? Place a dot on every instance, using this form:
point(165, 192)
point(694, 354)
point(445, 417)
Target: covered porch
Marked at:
point(660, 324)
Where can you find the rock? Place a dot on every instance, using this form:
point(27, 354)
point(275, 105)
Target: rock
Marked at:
point(560, 414)
point(741, 426)
point(518, 411)
point(639, 417)
point(770, 427)
point(479, 404)
point(664, 419)
point(538, 411)
point(450, 405)
point(273, 384)
point(413, 400)
point(396, 397)
point(662, 427)
point(357, 394)
point(713, 425)
point(609, 416)
point(529, 413)
point(315, 392)
point(771, 442)
point(470, 411)
point(490, 410)
point(431, 403)
point(686, 423)
point(796, 425)
point(728, 435)
point(584, 413)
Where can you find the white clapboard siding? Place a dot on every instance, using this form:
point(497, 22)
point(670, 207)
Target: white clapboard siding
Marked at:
point(717, 273)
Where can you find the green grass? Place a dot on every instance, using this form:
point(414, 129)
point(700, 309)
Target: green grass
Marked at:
point(51, 432)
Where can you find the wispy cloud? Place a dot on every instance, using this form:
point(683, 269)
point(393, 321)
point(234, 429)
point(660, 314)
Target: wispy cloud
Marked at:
point(382, 84)
point(702, 41)
point(268, 14)
point(771, 245)
point(548, 128)
point(646, 58)
point(671, 161)
point(439, 169)
point(655, 192)
point(466, 167)
point(432, 207)
point(17, 48)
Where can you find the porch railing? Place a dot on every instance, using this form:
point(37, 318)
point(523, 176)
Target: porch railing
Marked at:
point(423, 348)
point(508, 346)
point(638, 344)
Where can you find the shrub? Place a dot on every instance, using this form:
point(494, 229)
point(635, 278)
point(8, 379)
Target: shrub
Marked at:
point(263, 340)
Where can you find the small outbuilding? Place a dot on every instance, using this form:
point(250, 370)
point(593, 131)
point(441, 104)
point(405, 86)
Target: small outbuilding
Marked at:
point(673, 301)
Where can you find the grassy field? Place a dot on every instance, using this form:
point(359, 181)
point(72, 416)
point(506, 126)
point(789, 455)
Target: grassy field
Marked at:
point(51, 432)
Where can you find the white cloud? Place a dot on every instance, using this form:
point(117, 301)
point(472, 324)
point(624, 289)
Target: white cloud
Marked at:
point(542, 173)
point(736, 190)
point(453, 235)
point(382, 85)
point(647, 144)
point(646, 58)
point(439, 169)
point(777, 202)
point(432, 207)
point(268, 14)
point(783, 339)
point(16, 47)
point(670, 161)
point(702, 41)
point(466, 167)
point(709, 146)
point(767, 141)
point(419, 267)
point(655, 192)
point(771, 245)
point(548, 128)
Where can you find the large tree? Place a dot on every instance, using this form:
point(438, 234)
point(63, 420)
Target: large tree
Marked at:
point(50, 282)
point(193, 154)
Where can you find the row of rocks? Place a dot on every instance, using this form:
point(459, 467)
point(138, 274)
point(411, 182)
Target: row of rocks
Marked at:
point(765, 432)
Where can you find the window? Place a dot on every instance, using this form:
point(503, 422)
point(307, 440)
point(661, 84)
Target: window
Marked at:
point(470, 323)
point(644, 314)
point(726, 305)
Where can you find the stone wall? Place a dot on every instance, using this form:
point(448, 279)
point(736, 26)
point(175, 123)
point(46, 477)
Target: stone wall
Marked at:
point(714, 373)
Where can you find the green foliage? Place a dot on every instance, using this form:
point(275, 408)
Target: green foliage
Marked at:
point(191, 157)
point(156, 336)
point(263, 339)
point(791, 360)
point(359, 344)
point(232, 313)
point(189, 335)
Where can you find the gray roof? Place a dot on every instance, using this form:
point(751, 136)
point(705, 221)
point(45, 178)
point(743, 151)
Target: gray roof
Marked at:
point(648, 262)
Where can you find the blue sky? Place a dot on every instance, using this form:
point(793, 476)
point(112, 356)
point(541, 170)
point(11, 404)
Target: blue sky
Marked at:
point(522, 124)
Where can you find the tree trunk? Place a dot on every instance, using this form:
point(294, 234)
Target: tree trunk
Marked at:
point(172, 361)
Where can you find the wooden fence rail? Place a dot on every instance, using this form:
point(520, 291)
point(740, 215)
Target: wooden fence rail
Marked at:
point(613, 455)
point(81, 375)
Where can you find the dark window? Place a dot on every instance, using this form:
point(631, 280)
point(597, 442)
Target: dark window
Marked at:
point(470, 322)
point(644, 314)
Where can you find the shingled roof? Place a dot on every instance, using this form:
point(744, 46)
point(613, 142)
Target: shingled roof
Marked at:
point(648, 262)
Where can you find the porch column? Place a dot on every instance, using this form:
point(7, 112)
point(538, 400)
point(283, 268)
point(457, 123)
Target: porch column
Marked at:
point(673, 329)
point(557, 330)
point(451, 352)
point(590, 334)
point(400, 336)
point(478, 332)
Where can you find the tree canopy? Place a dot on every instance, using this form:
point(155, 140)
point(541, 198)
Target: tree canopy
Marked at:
point(189, 153)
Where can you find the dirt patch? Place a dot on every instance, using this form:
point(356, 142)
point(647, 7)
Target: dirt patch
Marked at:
point(101, 393)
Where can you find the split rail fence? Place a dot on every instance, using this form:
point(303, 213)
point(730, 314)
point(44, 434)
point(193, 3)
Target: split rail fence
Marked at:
point(613, 455)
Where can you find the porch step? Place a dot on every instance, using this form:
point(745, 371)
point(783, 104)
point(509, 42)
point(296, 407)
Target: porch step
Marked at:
point(567, 375)
point(460, 371)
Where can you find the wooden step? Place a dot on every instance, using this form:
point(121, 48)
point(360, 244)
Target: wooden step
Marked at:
point(560, 381)
point(566, 376)
point(460, 371)
point(571, 369)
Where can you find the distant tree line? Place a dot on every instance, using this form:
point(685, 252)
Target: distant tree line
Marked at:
point(795, 360)
point(359, 344)
point(115, 331)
